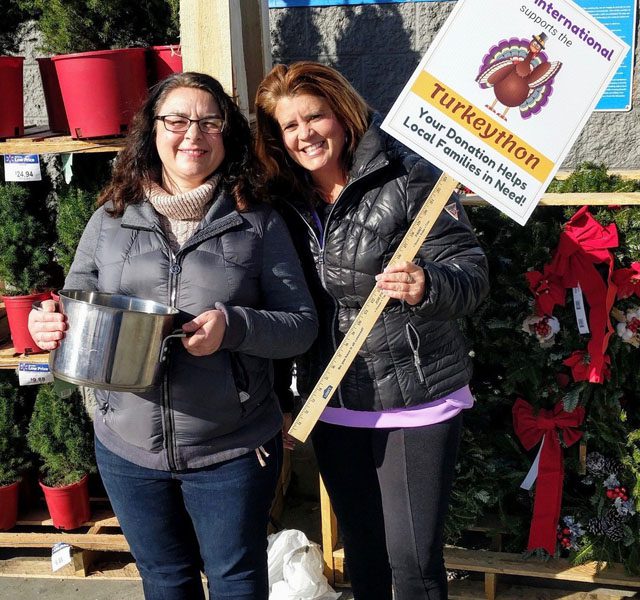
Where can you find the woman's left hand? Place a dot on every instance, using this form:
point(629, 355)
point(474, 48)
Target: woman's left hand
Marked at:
point(403, 281)
point(207, 332)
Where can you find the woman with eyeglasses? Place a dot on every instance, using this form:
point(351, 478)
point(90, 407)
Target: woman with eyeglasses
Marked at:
point(191, 467)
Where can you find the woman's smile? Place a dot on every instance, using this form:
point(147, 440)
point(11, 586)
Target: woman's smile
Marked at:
point(313, 136)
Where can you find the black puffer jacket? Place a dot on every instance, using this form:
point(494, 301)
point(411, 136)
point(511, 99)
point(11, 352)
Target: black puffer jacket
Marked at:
point(414, 354)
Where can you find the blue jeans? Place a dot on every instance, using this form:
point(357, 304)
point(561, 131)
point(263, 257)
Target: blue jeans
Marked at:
point(179, 522)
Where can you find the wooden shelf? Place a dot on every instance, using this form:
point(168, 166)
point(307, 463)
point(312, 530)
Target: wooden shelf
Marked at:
point(39, 140)
point(9, 359)
point(571, 199)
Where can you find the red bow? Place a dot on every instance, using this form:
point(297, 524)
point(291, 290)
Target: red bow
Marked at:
point(547, 289)
point(583, 244)
point(530, 429)
point(628, 281)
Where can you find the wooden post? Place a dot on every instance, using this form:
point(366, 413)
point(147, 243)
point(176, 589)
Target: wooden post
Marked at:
point(490, 585)
point(229, 40)
point(329, 533)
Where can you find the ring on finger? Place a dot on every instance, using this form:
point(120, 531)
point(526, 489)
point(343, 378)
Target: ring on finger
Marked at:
point(410, 278)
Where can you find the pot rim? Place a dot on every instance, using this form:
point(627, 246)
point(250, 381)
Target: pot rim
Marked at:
point(98, 53)
point(166, 309)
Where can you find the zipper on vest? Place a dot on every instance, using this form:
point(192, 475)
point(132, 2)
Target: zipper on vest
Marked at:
point(334, 317)
point(319, 261)
point(167, 419)
point(175, 268)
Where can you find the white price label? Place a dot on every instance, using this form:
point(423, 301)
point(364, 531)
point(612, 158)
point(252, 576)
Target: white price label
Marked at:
point(22, 167)
point(581, 313)
point(34, 373)
point(60, 556)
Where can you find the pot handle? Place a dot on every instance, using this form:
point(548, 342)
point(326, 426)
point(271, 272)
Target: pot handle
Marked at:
point(37, 305)
point(164, 348)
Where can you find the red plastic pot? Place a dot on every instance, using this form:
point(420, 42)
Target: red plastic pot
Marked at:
point(18, 309)
point(11, 105)
point(53, 96)
point(68, 505)
point(9, 505)
point(162, 61)
point(101, 90)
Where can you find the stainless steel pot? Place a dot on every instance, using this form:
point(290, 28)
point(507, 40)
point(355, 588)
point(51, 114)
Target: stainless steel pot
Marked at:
point(113, 342)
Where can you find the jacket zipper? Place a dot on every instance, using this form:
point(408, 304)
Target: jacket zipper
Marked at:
point(167, 413)
point(322, 242)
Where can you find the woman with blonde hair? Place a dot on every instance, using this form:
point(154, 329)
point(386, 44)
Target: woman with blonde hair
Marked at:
point(386, 445)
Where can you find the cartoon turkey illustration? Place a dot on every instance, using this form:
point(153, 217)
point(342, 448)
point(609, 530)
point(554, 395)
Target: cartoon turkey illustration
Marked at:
point(520, 74)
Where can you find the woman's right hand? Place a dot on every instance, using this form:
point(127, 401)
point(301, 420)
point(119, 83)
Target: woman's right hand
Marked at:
point(47, 325)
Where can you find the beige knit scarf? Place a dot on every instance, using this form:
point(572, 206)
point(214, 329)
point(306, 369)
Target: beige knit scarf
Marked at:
point(180, 214)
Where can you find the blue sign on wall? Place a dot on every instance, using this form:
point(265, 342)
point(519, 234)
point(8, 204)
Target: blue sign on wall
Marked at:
point(292, 3)
point(619, 16)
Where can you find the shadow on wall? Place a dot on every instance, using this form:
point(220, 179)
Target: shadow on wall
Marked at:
point(374, 51)
point(371, 45)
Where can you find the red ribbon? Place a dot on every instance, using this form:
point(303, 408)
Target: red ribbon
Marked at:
point(530, 428)
point(583, 244)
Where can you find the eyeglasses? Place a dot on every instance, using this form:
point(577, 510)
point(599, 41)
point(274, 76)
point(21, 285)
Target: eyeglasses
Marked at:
point(179, 124)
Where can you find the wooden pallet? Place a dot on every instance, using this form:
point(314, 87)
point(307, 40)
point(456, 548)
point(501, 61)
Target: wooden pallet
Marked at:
point(608, 581)
point(91, 547)
point(494, 565)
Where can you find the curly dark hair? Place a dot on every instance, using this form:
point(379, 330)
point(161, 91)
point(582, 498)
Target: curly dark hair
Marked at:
point(138, 163)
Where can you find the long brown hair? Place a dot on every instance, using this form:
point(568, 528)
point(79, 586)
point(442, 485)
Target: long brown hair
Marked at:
point(281, 173)
point(138, 162)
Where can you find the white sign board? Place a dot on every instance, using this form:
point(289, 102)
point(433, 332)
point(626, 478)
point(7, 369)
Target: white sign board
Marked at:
point(503, 92)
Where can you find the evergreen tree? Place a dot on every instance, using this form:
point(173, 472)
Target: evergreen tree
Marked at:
point(60, 434)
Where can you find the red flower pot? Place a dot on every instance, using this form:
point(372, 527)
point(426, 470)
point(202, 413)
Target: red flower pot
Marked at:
point(53, 96)
point(18, 309)
point(68, 505)
point(101, 90)
point(11, 105)
point(162, 61)
point(9, 505)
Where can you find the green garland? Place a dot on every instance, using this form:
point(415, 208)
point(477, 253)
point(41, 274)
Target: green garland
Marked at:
point(510, 363)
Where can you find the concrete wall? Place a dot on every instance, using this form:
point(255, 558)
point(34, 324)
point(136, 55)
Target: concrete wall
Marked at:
point(377, 47)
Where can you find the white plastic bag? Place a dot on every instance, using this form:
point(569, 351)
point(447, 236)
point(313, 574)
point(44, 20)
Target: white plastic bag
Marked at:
point(295, 568)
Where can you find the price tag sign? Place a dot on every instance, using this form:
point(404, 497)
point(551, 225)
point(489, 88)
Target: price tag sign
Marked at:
point(22, 167)
point(34, 374)
point(581, 313)
point(60, 556)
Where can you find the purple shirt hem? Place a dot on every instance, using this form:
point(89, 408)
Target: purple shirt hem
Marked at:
point(418, 416)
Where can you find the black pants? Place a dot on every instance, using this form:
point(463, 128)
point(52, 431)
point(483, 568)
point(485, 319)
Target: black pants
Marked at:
point(390, 490)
